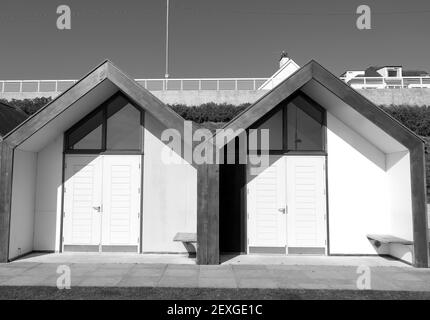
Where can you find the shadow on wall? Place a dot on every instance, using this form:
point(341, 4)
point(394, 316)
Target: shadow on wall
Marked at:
point(363, 146)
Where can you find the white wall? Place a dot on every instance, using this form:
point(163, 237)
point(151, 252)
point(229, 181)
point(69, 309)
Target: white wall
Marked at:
point(399, 187)
point(399, 184)
point(358, 192)
point(23, 191)
point(48, 197)
point(169, 195)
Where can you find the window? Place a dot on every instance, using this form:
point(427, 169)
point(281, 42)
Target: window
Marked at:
point(123, 128)
point(275, 126)
point(114, 126)
point(305, 125)
point(392, 73)
point(87, 135)
point(296, 124)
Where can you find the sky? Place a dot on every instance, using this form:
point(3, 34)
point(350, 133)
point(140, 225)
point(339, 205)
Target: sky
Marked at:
point(222, 38)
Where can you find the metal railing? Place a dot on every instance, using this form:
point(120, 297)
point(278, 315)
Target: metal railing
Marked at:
point(214, 84)
point(388, 82)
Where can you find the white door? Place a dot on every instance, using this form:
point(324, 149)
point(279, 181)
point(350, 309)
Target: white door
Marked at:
point(286, 206)
point(121, 202)
point(266, 208)
point(306, 201)
point(82, 197)
point(102, 203)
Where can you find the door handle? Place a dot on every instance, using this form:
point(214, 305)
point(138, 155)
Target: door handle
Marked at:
point(283, 210)
point(98, 209)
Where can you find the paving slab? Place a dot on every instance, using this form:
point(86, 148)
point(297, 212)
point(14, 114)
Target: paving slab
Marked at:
point(111, 281)
point(139, 281)
point(260, 283)
point(315, 286)
point(144, 271)
point(181, 282)
point(24, 280)
point(83, 269)
point(52, 281)
point(216, 273)
point(247, 274)
point(180, 271)
point(43, 269)
point(106, 270)
point(217, 282)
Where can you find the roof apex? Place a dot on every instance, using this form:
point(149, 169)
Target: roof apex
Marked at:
point(106, 70)
point(315, 71)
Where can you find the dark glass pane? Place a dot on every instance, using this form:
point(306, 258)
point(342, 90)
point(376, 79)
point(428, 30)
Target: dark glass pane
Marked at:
point(275, 126)
point(305, 125)
point(123, 127)
point(88, 135)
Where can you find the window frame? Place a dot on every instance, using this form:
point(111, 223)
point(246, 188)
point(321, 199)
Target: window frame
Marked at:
point(103, 108)
point(323, 124)
point(285, 150)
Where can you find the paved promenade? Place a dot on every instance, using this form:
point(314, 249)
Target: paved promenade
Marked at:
point(265, 272)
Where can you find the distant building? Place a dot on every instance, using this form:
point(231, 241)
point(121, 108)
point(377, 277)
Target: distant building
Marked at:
point(287, 67)
point(390, 77)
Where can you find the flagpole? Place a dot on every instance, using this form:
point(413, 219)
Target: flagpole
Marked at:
point(166, 75)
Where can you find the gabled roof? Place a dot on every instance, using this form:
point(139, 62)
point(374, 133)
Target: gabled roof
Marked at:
point(372, 72)
point(10, 117)
point(314, 74)
point(105, 78)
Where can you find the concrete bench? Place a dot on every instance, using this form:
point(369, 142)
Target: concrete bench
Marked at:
point(397, 247)
point(387, 239)
point(185, 237)
point(189, 240)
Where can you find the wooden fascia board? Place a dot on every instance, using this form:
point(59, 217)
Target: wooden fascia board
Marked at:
point(145, 99)
point(419, 206)
point(363, 106)
point(208, 214)
point(269, 101)
point(105, 71)
point(6, 176)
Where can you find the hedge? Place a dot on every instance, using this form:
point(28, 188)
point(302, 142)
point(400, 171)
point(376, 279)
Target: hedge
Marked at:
point(416, 118)
point(29, 106)
point(208, 112)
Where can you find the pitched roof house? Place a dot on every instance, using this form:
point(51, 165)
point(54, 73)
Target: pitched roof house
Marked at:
point(85, 173)
point(342, 177)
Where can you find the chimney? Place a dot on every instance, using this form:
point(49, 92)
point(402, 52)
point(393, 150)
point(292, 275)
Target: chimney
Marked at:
point(284, 59)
